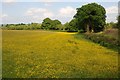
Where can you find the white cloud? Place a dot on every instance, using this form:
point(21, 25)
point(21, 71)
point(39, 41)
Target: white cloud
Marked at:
point(112, 17)
point(112, 13)
point(9, 1)
point(47, 4)
point(46, 0)
point(67, 12)
point(3, 15)
point(33, 11)
point(48, 14)
point(119, 10)
point(38, 14)
point(112, 9)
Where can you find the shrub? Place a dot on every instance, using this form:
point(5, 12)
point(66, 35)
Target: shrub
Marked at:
point(103, 40)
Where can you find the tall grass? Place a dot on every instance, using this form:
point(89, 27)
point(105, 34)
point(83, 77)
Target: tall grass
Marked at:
point(46, 54)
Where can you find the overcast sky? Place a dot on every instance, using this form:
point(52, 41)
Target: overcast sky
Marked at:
point(27, 11)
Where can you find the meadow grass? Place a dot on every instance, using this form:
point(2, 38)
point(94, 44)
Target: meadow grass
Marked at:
point(47, 54)
point(0, 53)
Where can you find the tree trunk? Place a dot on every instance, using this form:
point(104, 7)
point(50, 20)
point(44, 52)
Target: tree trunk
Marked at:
point(88, 29)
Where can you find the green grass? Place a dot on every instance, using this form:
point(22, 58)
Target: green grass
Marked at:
point(47, 54)
point(0, 54)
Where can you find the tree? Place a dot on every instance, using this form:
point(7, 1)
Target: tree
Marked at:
point(59, 27)
point(50, 24)
point(73, 25)
point(66, 26)
point(35, 26)
point(55, 23)
point(118, 23)
point(46, 24)
point(91, 17)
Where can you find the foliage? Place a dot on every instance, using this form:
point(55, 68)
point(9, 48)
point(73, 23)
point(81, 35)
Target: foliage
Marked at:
point(111, 25)
point(91, 17)
point(108, 38)
point(60, 27)
point(118, 23)
point(49, 24)
point(73, 25)
point(32, 26)
point(66, 26)
point(55, 23)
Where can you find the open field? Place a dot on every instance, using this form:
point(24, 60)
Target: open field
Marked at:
point(44, 54)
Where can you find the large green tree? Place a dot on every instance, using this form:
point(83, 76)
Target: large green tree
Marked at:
point(66, 26)
point(118, 23)
point(55, 23)
point(50, 24)
point(47, 23)
point(91, 17)
point(73, 25)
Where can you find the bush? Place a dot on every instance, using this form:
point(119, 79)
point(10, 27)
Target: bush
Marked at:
point(81, 31)
point(103, 40)
point(32, 26)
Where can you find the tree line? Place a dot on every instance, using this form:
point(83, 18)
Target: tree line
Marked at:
point(21, 26)
point(89, 18)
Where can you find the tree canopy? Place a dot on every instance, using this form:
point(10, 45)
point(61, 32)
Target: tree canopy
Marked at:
point(118, 23)
point(50, 24)
point(73, 25)
point(91, 17)
point(46, 23)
